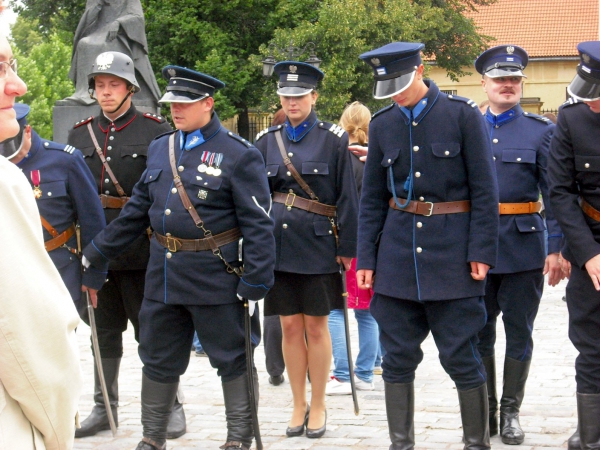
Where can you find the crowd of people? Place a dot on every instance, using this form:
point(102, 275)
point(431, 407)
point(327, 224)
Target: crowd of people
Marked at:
point(428, 212)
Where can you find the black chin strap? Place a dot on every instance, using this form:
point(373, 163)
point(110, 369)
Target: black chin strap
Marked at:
point(120, 104)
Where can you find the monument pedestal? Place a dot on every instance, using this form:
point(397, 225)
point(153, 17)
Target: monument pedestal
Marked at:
point(65, 116)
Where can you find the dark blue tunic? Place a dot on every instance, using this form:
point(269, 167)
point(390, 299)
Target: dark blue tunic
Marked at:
point(68, 196)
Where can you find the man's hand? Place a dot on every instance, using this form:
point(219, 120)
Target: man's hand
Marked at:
point(93, 295)
point(365, 278)
point(359, 151)
point(113, 31)
point(565, 266)
point(347, 262)
point(553, 268)
point(593, 270)
point(479, 270)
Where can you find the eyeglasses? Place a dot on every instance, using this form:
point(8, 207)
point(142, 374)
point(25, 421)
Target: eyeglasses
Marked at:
point(4, 65)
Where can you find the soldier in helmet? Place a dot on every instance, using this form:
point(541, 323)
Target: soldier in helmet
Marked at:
point(114, 146)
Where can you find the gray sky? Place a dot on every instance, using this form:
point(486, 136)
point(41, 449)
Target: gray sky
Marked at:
point(6, 19)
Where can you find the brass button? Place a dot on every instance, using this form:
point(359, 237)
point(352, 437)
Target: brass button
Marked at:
point(446, 153)
point(108, 158)
point(290, 154)
point(111, 138)
point(416, 148)
point(419, 249)
point(174, 191)
point(415, 124)
point(49, 194)
point(494, 158)
point(285, 226)
point(417, 174)
point(495, 141)
point(421, 199)
point(518, 159)
point(109, 147)
point(112, 129)
point(316, 170)
point(169, 255)
point(289, 174)
point(587, 165)
point(389, 161)
point(419, 224)
point(180, 168)
point(134, 155)
point(167, 212)
point(106, 180)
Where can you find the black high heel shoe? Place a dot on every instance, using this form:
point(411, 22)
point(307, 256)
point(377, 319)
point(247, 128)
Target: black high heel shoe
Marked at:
point(299, 430)
point(318, 432)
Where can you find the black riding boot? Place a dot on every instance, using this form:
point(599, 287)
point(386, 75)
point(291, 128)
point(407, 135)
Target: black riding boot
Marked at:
point(588, 413)
point(489, 362)
point(574, 443)
point(474, 414)
point(240, 431)
point(98, 419)
point(177, 426)
point(515, 377)
point(400, 410)
point(157, 404)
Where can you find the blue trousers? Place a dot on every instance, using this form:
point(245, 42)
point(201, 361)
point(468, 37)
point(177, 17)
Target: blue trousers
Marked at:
point(454, 324)
point(368, 344)
point(167, 331)
point(583, 302)
point(517, 296)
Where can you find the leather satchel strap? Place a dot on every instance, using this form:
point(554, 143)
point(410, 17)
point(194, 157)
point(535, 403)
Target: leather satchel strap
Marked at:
point(60, 239)
point(49, 228)
point(291, 168)
point(590, 211)
point(520, 208)
point(105, 163)
point(432, 209)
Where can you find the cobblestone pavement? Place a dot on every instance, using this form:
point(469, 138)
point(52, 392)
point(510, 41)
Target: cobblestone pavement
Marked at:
point(548, 414)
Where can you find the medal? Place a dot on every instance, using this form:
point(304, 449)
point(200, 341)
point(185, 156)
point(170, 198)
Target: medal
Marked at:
point(211, 170)
point(218, 161)
point(35, 179)
point(202, 167)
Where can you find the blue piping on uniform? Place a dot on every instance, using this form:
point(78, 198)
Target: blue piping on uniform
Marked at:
point(254, 285)
point(476, 359)
point(103, 255)
point(415, 259)
point(165, 274)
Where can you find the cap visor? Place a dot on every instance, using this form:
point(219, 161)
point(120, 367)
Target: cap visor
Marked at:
point(504, 72)
point(389, 88)
point(293, 91)
point(178, 97)
point(584, 90)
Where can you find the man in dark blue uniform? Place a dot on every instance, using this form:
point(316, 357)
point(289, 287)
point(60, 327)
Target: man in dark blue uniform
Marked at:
point(195, 274)
point(427, 236)
point(574, 177)
point(520, 142)
point(65, 194)
point(115, 145)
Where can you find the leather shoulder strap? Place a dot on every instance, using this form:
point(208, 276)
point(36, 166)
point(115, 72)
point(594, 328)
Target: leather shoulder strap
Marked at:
point(288, 163)
point(49, 228)
point(104, 162)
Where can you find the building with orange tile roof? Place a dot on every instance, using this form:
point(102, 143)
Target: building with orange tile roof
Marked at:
point(549, 30)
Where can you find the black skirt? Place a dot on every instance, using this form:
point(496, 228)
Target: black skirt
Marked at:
point(313, 295)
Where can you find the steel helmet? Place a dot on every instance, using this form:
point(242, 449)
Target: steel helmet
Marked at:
point(114, 63)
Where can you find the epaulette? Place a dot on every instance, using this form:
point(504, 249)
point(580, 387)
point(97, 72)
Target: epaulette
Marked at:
point(50, 145)
point(239, 138)
point(382, 110)
point(267, 130)
point(166, 133)
point(538, 117)
point(335, 129)
point(571, 101)
point(468, 101)
point(83, 122)
point(155, 117)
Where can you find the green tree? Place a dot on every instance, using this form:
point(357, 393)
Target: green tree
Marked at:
point(43, 65)
point(346, 28)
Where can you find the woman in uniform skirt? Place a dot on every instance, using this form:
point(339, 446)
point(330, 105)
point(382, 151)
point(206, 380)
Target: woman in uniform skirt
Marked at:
point(315, 209)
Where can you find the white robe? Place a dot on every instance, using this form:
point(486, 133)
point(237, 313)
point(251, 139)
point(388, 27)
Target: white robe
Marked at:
point(40, 376)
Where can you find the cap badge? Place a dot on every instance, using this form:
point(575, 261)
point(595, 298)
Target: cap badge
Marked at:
point(172, 72)
point(586, 58)
point(375, 61)
point(293, 69)
point(104, 61)
point(510, 49)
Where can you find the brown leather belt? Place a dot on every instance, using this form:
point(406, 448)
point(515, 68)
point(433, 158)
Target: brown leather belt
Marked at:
point(432, 209)
point(59, 240)
point(197, 245)
point(520, 208)
point(590, 211)
point(111, 202)
point(293, 201)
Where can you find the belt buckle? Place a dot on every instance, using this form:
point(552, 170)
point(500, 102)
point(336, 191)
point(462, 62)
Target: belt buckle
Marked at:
point(289, 205)
point(430, 204)
point(172, 243)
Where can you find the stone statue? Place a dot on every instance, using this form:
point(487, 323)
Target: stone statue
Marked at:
point(111, 25)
